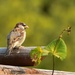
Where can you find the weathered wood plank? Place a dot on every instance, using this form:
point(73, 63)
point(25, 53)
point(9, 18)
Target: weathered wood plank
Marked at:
point(15, 70)
point(22, 49)
point(20, 57)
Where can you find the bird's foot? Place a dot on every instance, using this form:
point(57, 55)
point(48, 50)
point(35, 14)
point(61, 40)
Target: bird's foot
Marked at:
point(21, 47)
point(15, 48)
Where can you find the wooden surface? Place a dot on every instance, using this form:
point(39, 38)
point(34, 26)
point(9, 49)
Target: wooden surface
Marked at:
point(20, 57)
point(14, 70)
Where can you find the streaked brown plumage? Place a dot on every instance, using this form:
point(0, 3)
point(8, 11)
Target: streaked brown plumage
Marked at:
point(16, 37)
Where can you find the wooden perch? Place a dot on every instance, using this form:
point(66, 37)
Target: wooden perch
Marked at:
point(14, 70)
point(20, 57)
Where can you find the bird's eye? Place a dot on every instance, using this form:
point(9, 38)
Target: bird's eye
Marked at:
point(24, 25)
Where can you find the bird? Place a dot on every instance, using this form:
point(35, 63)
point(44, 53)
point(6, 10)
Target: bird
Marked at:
point(16, 37)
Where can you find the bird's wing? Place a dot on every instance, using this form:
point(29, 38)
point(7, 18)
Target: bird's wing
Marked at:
point(13, 37)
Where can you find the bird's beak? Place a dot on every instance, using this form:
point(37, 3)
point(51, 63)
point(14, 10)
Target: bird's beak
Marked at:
point(26, 27)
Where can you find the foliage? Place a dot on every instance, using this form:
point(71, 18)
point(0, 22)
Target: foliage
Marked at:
point(45, 18)
point(37, 53)
point(56, 47)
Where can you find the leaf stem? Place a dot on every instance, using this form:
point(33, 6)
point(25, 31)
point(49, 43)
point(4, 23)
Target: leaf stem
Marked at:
point(53, 56)
point(53, 66)
point(60, 36)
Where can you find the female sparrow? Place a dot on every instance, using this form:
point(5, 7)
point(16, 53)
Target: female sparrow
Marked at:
point(16, 37)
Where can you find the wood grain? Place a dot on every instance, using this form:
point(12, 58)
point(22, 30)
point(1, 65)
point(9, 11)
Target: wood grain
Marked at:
point(15, 70)
point(19, 57)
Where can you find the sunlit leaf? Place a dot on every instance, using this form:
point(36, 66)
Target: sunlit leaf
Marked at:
point(36, 55)
point(45, 52)
point(57, 48)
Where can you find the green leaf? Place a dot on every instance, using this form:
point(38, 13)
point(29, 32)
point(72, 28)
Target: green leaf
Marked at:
point(45, 52)
point(57, 48)
point(36, 55)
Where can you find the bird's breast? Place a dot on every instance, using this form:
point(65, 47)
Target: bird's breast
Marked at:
point(23, 36)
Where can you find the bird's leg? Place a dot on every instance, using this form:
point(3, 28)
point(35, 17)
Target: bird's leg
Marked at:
point(21, 47)
point(16, 48)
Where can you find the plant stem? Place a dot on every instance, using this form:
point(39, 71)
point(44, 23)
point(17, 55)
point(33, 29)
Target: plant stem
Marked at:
point(53, 56)
point(53, 65)
point(68, 30)
point(60, 36)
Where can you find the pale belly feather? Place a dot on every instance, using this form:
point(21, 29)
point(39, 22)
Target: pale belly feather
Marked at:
point(19, 43)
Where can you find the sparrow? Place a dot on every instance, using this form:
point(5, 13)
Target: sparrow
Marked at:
point(16, 37)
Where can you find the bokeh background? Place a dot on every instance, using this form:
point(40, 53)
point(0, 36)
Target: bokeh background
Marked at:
point(46, 19)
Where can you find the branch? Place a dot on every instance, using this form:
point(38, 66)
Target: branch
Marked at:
point(19, 57)
point(14, 70)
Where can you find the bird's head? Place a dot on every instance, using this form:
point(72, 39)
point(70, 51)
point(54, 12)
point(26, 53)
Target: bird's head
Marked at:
point(21, 25)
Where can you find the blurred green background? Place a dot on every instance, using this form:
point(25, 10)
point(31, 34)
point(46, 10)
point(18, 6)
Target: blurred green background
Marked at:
point(46, 19)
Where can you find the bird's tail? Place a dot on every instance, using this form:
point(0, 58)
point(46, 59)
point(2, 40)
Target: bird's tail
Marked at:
point(8, 51)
